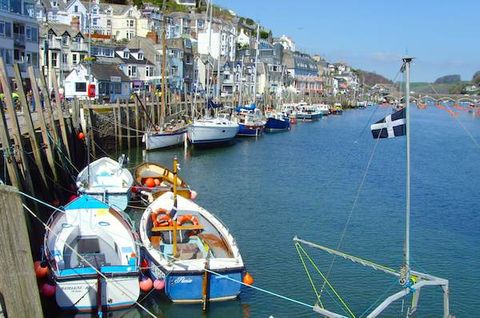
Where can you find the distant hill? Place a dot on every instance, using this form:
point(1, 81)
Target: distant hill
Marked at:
point(370, 78)
point(448, 79)
point(476, 78)
point(433, 88)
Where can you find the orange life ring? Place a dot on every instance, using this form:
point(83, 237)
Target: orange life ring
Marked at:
point(161, 217)
point(188, 218)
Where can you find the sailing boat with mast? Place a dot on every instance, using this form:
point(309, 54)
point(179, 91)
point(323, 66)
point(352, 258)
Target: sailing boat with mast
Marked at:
point(411, 282)
point(211, 129)
point(165, 134)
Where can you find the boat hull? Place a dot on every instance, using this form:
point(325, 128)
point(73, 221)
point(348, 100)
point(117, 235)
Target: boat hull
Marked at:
point(186, 287)
point(309, 117)
point(211, 134)
point(250, 130)
point(80, 293)
point(163, 140)
point(117, 199)
point(277, 125)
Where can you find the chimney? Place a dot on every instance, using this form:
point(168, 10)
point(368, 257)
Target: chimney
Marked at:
point(152, 35)
point(75, 24)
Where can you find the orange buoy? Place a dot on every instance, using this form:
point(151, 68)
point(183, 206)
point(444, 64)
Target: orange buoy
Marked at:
point(41, 270)
point(248, 279)
point(193, 195)
point(47, 290)
point(157, 181)
point(146, 285)
point(150, 182)
point(81, 136)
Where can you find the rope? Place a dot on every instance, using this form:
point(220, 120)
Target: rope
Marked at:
point(357, 195)
point(123, 289)
point(348, 311)
point(378, 299)
point(309, 276)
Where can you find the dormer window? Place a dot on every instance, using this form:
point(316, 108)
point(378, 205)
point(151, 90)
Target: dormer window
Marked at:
point(95, 10)
point(140, 56)
point(126, 54)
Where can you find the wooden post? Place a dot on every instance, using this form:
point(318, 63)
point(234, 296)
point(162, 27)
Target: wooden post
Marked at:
point(58, 106)
point(128, 126)
point(29, 124)
point(120, 137)
point(10, 159)
point(76, 113)
point(43, 126)
point(18, 284)
point(205, 286)
point(90, 133)
point(17, 136)
point(115, 123)
point(48, 108)
point(137, 122)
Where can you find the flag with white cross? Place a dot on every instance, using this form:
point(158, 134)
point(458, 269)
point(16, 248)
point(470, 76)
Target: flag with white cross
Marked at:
point(393, 125)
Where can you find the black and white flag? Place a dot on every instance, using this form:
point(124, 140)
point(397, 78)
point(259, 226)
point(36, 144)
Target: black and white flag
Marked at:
point(391, 126)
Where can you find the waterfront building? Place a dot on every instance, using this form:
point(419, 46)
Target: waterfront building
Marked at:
point(139, 70)
point(62, 47)
point(111, 84)
point(18, 35)
point(302, 72)
point(220, 41)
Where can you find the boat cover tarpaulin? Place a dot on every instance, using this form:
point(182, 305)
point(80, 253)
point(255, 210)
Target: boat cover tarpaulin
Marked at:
point(250, 107)
point(211, 104)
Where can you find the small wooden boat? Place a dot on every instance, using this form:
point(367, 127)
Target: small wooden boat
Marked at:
point(162, 180)
point(180, 240)
point(89, 245)
point(106, 180)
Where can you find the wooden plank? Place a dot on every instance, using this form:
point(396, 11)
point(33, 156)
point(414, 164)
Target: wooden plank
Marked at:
point(48, 109)
point(18, 283)
point(115, 123)
point(120, 128)
point(47, 145)
point(29, 125)
point(178, 227)
point(58, 108)
point(137, 123)
point(7, 148)
point(127, 109)
point(15, 127)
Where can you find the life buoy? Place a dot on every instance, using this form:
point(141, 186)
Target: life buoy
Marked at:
point(188, 218)
point(161, 217)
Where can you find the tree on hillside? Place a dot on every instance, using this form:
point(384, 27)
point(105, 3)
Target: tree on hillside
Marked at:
point(476, 78)
point(448, 79)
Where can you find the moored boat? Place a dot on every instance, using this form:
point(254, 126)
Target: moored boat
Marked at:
point(212, 130)
point(106, 180)
point(250, 121)
point(277, 121)
point(172, 135)
point(162, 179)
point(92, 252)
point(187, 248)
point(307, 112)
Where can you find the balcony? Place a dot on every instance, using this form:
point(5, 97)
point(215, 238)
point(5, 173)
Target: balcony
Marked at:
point(75, 46)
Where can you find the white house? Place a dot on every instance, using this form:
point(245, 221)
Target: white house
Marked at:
point(110, 82)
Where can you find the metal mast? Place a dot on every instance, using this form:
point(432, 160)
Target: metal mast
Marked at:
point(255, 68)
point(164, 65)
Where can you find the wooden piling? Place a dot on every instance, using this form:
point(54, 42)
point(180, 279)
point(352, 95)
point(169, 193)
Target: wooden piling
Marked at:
point(137, 123)
point(18, 284)
point(7, 148)
point(29, 125)
point(127, 109)
point(120, 128)
point(91, 134)
point(58, 106)
point(47, 145)
point(15, 127)
point(115, 123)
point(48, 109)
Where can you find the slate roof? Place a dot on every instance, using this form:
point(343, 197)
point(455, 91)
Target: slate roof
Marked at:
point(104, 72)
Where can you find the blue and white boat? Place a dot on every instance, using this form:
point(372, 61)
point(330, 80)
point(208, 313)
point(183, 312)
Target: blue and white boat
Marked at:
point(92, 253)
point(307, 112)
point(250, 120)
point(107, 180)
point(179, 247)
point(277, 121)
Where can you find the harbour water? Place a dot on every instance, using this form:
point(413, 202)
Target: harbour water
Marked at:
point(305, 182)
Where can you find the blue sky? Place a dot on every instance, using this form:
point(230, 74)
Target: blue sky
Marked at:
point(443, 36)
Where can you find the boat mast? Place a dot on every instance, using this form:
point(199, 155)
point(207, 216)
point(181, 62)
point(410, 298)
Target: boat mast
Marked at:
point(164, 65)
point(406, 61)
point(255, 68)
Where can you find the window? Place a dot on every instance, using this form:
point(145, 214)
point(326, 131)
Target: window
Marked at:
point(95, 21)
point(74, 58)
point(95, 10)
point(126, 54)
point(82, 57)
point(75, 9)
point(64, 58)
point(132, 71)
point(4, 6)
point(149, 71)
point(65, 39)
point(80, 87)
point(140, 56)
point(8, 29)
point(18, 56)
point(109, 22)
point(130, 35)
point(16, 6)
point(2, 28)
point(130, 23)
point(116, 88)
point(55, 59)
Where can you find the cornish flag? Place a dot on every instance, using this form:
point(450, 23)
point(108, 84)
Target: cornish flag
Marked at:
point(391, 126)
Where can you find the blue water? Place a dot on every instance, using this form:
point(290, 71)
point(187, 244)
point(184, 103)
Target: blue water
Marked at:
point(304, 182)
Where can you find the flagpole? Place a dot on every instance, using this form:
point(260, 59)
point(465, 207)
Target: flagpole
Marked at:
point(406, 61)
